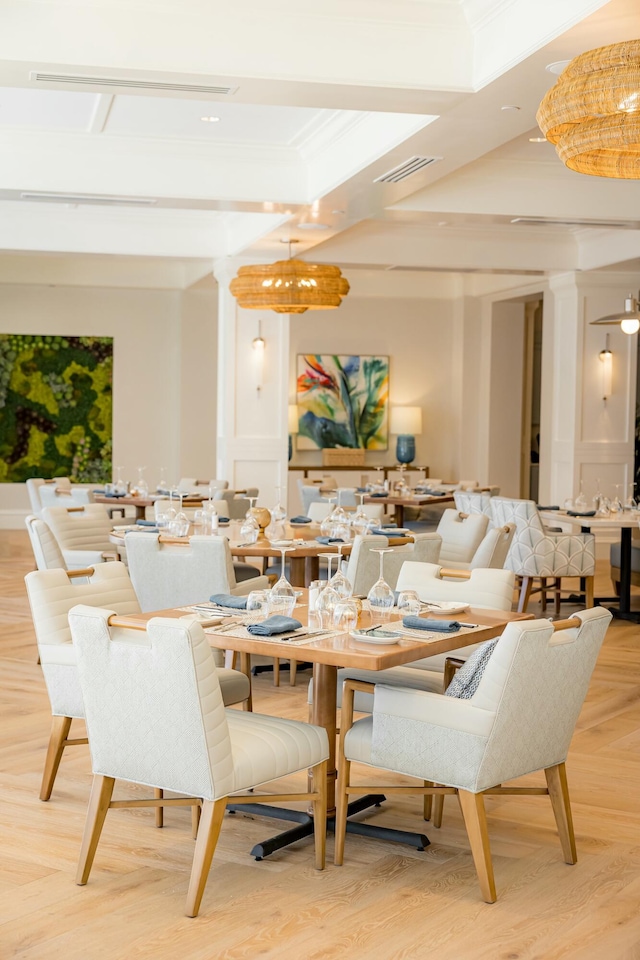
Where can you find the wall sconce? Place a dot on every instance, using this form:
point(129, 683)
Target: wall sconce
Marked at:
point(293, 425)
point(406, 422)
point(258, 343)
point(606, 359)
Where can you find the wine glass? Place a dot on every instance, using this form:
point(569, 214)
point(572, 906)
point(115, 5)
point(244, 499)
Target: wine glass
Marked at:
point(327, 522)
point(250, 529)
point(338, 581)
point(597, 497)
point(162, 482)
point(380, 596)
point(141, 484)
point(360, 522)
point(327, 598)
point(630, 502)
point(580, 502)
point(119, 484)
point(283, 588)
point(616, 503)
point(278, 513)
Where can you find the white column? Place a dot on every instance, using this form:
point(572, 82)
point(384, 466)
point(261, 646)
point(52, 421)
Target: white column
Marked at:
point(252, 438)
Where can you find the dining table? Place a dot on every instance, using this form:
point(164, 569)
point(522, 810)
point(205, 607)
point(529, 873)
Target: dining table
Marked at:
point(625, 522)
point(328, 651)
point(141, 503)
point(399, 502)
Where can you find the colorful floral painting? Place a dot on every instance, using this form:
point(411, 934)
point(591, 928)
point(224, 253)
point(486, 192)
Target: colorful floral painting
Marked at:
point(55, 407)
point(342, 401)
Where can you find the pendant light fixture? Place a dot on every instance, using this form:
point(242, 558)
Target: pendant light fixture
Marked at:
point(289, 286)
point(629, 318)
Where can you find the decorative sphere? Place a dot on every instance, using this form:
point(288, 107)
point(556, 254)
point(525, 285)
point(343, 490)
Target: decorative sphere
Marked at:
point(262, 517)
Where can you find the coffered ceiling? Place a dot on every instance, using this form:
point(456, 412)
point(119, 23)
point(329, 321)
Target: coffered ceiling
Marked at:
point(193, 130)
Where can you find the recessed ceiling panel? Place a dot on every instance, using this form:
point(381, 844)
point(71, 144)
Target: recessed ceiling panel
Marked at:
point(237, 122)
point(46, 109)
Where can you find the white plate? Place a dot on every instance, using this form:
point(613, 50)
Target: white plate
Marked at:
point(281, 543)
point(445, 608)
point(386, 637)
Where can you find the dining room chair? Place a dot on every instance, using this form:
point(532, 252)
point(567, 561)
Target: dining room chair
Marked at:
point(537, 555)
point(193, 485)
point(46, 549)
point(363, 566)
point(62, 496)
point(461, 535)
point(515, 717)
point(33, 485)
point(82, 533)
point(469, 501)
point(155, 716)
point(51, 594)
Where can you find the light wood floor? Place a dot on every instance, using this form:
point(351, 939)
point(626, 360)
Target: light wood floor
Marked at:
point(388, 902)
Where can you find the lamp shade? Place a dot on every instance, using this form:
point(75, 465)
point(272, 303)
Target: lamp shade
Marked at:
point(289, 286)
point(406, 420)
point(293, 418)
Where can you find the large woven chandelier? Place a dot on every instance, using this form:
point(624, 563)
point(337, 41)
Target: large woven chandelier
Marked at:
point(289, 286)
point(592, 114)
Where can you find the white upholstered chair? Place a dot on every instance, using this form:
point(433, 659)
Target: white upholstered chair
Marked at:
point(46, 550)
point(468, 501)
point(52, 495)
point(537, 554)
point(34, 486)
point(363, 567)
point(519, 720)
point(155, 716)
point(82, 533)
point(173, 575)
point(494, 548)
point(51, 594)
point(461, 536)
point(193, 485)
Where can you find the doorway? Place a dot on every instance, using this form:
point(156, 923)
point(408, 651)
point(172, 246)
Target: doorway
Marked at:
point(531, 385)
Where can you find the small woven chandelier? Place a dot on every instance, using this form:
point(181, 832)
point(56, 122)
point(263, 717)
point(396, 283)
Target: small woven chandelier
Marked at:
point(289, 286)
point(592, 113)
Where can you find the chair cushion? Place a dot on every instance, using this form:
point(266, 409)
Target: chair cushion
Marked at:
point(468, 677)
point(265, 748)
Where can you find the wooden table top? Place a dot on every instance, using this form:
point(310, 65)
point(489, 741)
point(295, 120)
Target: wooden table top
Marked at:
point(413, 500)
point(132, 501)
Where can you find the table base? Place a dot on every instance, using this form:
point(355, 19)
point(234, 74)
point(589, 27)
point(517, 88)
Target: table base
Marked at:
point(305, 825)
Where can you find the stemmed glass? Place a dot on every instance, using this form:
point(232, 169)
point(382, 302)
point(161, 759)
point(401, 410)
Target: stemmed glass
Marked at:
point(616, 503)
point(179, 526)
point(580, 502)
point(328, 597)
point(119, 484)
point(360, 522)
point(380, 596)
point(283, 588)
point(162, 482)
point(327, 523)
point(597, 497)
point(338, 581)
point(630, 502)
point(141, 484)
point(250, 529)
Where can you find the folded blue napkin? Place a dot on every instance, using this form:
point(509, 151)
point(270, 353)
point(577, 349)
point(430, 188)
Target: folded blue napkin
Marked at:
point(327, 540)
point(585, 513)
point(437, 493)
point(300, 520)
point(228, 600)
point(114, 496)
point(385, 526)
point(272, 626)
point(378, 532)
point(554, 507)
point(146, 523)
point(439, 626)
point(223, 519)
point(378, 494)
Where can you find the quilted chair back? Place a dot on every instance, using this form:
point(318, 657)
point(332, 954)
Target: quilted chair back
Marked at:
point(536, 553)
point(494, 549)
point(461, 537)
point(86, 529)
point(52, 495)
point(35, 485)
point(520, 719)
point(467, 501)
point(484, 588)
point(51, 595)
point(173, 575)
point(154, 708)
point(46, 551)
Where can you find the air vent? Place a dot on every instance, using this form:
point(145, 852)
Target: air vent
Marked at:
point(406, 169)
point(89, 198)
point(549, 222)
point(130, 84)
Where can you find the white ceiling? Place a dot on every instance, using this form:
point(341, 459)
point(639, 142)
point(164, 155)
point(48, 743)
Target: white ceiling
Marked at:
point(324, 99)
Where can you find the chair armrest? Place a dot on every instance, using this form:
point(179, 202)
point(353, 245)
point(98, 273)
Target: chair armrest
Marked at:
point(451, 667)
point(346, 709)
point(433, 709)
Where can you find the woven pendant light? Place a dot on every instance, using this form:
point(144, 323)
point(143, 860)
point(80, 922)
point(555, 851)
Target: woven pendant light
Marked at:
point(592, 114)
point(289, 286)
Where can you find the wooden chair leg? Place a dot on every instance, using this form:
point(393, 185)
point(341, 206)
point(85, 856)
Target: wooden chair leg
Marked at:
point(427, 802)
point(276, 672)
point(101, 793)
point(60, 727)
point(293, 668)
point(342, 800)
point(559, 796)
point(475, 820)
point(208, 833)
point(195, 820)
point(438, 807)
point(525, 593)
point(158, 793)
point(557, 588)
point(588, 582)
point(543, 594)
point(319, 781)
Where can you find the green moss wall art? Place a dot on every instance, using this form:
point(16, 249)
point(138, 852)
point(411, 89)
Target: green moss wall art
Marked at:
point(342, 401)
point(55, 407)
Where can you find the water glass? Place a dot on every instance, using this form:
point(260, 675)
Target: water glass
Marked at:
point(281, 606)
point(345, 615)
point(202, 522)
point(408, 603)
point(258, 604)
point(314, 592)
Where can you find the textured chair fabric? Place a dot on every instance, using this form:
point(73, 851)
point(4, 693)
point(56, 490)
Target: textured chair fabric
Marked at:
point(173, 575)
point(461, 536)
point(309, 495)
point(33, 489)
point(363, 568)
point(236, 506)
point(536, 553)
point(468, 501)
point(492, 589)
point(51, 595)
point(54, 496)
point(155, 715)
point(83, 535)
point(193, 485)
point(46, 550)
point(494, 548)
point(520, 720)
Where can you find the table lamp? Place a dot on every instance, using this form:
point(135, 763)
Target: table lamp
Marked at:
point(293, 425)
point(406, 422)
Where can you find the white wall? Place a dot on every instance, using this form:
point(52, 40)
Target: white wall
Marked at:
point(505, 403)
point(164, 371)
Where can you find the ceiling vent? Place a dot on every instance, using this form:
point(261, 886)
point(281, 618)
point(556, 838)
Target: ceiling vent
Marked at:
point(549, 222)
point(88, 198)
point(406, 169)
point(128, 83)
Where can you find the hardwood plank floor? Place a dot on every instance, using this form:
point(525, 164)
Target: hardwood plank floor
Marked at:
point(387, 902)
